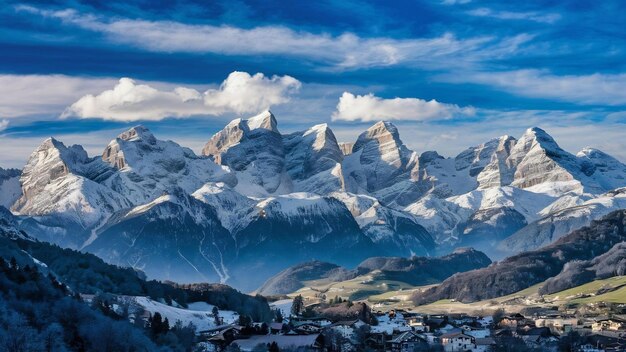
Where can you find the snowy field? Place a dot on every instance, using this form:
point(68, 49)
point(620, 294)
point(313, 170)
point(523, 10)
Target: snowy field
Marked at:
point(199, 313)
point(284, 305)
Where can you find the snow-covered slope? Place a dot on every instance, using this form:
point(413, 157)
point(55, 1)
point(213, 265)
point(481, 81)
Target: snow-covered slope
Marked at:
point(57, 188)
point(10, 189)
point(231, 206)
point(198, 313)
point(607, 171)
point(395, 232)
point(289, 229)
point(148, 166)
point(447, 217)
point(174, 237)
point(557, 224)
point(8, 225)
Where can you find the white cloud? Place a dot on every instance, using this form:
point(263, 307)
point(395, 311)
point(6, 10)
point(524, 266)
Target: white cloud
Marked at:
point(604, 89)
point(4, 124)
point(339, 52)
point(22, 95)
point(509, 15)
point(239, 93)
point(372, 108)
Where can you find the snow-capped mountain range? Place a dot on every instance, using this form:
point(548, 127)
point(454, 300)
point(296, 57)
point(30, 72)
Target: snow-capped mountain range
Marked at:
point(257, 201)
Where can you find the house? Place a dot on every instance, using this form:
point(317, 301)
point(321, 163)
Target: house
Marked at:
point(307, 329)
point(222, 338)
point(436, 321)
point(561, 325)
point(408, 341)
point(610, 324)
point(284, 342)
point(347, 328)
point(513, 321)
point(391, 323)
point(317, 321)
point(276, 328)
point(485, 344)
point(476, 332)
point(458, 341)
point(417, 323)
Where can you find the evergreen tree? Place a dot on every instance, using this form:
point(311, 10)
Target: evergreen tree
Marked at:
point(273, 347)
point(165, 327)
point(297, 305)
point(216, 315)
point(278, 315)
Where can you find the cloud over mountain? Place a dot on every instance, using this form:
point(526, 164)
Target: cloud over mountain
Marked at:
point(371, 108)
point(239, 93)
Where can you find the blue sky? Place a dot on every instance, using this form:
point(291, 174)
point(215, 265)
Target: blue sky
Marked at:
point(450, 73)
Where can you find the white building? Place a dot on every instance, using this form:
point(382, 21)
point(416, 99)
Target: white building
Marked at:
point(458, 341)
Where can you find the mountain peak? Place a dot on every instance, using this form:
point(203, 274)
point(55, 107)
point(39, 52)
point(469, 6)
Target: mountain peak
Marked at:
point(382, 127)
point(51, 143)
point(541, 137)
point(265, 120)
point(138, 133)
point(382, 131)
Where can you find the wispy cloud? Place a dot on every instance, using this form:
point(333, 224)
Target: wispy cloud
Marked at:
point(455, 2)
point(345, 51)
point(603, 89)
point(372, 108)
point(239, 93)
point(511, 15)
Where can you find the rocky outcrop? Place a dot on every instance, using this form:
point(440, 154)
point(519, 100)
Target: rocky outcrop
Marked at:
point(253, 148)
point(346, 147)
point(496, 173)
point(313, 160)
point(379, 160)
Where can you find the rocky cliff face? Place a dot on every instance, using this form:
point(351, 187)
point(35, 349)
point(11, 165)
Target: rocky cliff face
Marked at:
point(254, 149)
point(379, 159)
point(313, 160)
point(496, 173)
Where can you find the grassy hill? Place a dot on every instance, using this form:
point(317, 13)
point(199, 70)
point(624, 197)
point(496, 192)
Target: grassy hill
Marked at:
point(384, 294)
